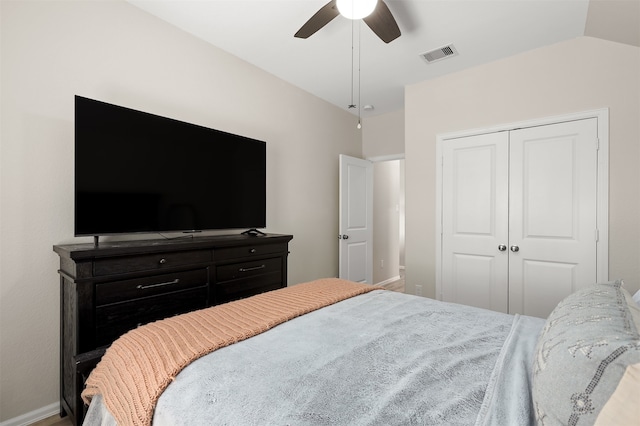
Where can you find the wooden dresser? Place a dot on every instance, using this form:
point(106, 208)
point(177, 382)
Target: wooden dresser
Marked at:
point(116, 286)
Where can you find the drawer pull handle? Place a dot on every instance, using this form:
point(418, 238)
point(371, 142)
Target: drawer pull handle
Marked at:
point(252, 250)
point(163, 261)
point(144, 287)
point(255, 268)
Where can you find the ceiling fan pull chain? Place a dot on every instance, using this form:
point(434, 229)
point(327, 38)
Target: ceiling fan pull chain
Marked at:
point(352, 105)
point(359, 85)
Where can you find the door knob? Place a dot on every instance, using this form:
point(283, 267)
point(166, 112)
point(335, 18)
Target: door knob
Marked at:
point(502, 247)
point(515, 248)
point(345, 237)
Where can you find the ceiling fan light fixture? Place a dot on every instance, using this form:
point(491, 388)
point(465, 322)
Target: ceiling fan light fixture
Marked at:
point(356, 9)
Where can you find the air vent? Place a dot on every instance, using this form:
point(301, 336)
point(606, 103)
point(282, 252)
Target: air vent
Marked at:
point(440, 54)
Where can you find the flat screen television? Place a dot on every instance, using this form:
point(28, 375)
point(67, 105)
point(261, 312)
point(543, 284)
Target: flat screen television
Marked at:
point(137, 172)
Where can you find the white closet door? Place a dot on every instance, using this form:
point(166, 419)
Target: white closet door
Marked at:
point(553, 184)
point(475, 221)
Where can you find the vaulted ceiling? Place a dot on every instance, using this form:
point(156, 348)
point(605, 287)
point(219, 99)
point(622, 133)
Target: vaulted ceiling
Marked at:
point(345, 63)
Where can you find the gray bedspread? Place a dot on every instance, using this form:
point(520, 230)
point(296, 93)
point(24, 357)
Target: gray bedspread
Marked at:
point(382, 358)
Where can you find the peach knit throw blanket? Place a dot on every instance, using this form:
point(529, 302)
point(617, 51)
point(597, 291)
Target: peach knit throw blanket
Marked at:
point(138, 367)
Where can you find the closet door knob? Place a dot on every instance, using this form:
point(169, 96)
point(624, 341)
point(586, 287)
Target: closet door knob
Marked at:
point(515, 248)
point(502, 247)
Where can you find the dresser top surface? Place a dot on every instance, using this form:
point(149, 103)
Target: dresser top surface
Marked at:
point(109, 248)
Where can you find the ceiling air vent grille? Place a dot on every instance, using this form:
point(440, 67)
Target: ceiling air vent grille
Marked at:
point(439, 54)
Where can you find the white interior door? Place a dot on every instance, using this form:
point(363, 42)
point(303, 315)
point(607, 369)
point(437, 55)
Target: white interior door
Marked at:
point(475, 221)
point(519, 216)
point(356, 219)
point(552, 214)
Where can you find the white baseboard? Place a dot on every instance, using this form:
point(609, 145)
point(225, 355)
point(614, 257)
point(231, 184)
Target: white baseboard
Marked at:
point(387, 281)
point(34, 416)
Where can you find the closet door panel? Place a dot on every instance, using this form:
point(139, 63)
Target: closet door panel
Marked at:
point(552, 216)
point(546, 180)
point(544, 284)
point(476, 280)
point(475, 221)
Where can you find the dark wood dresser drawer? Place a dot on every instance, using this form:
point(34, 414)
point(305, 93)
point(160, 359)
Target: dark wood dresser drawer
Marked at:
point(119, 291)
point(115, 319)
point(245, 287)
point(149, 262)
point(245, 279)
point(247, 269)
point(249, 251)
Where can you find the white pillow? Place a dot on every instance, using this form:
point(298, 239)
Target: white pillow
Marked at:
point(623, 408)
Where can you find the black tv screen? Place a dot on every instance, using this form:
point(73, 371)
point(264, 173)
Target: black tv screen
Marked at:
point(139, 172)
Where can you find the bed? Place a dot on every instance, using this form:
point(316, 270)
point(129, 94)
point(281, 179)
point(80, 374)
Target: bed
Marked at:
point(332, 352)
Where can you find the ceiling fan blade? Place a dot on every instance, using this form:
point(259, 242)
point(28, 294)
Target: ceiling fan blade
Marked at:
point(321, 18)
point(382, 23)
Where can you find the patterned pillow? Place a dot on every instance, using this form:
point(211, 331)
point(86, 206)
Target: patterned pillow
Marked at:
point(582, 352)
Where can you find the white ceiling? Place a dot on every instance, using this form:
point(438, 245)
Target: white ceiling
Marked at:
point(261, 33)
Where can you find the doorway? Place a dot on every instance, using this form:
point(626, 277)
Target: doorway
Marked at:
point(388, 222)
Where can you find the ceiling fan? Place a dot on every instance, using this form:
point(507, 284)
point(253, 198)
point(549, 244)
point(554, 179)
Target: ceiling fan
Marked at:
point(380, 19)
